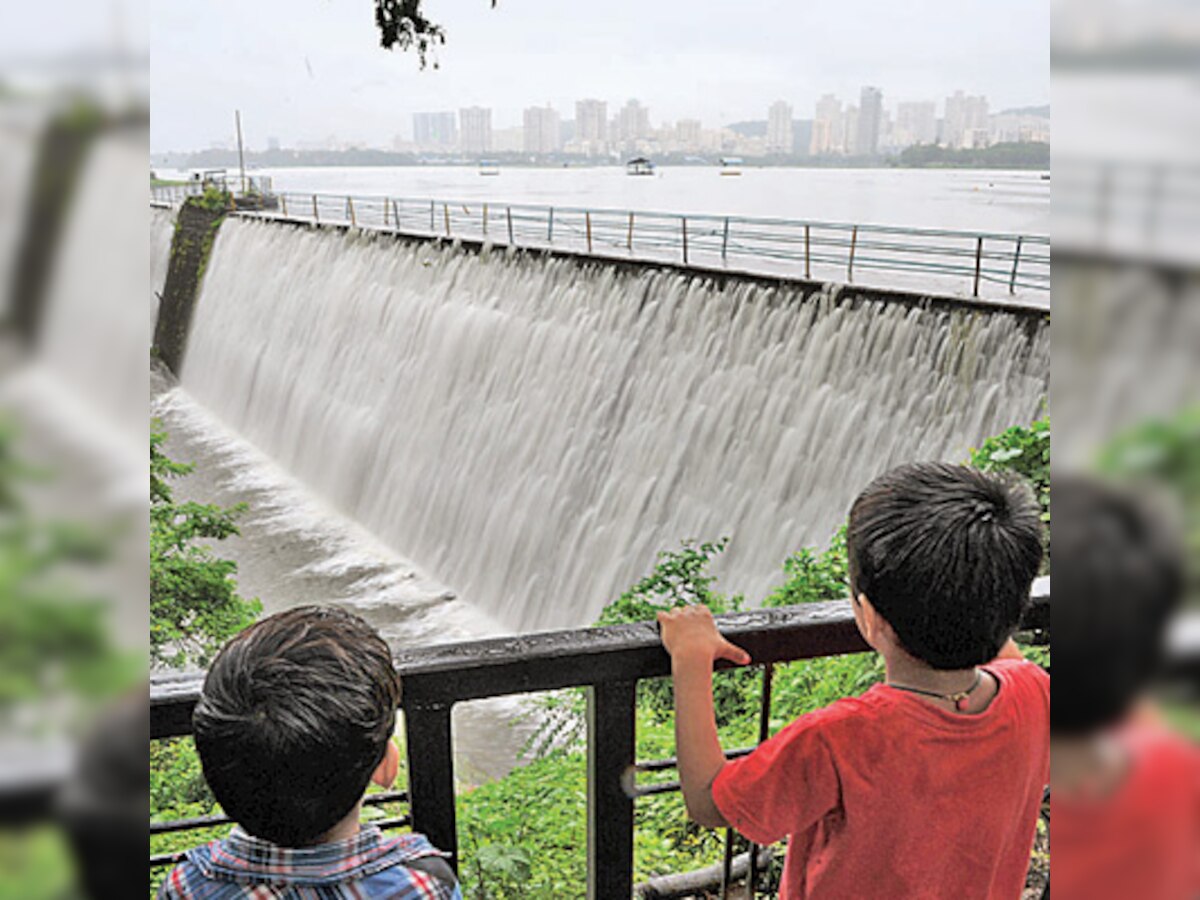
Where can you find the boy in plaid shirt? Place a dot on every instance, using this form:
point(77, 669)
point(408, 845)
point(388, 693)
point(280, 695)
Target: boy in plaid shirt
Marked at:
point(294, 722)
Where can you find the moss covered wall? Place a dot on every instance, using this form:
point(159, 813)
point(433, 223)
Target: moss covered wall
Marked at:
point(195, 231)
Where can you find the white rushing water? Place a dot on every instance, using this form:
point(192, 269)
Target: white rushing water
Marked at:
point(162, 230)
point(531, 432)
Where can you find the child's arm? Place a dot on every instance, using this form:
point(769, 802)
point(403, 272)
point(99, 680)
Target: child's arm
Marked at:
point(690, 635)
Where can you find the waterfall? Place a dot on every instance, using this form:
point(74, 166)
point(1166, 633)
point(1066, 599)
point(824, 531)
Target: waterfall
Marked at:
point(531, 431)
point(162, 230)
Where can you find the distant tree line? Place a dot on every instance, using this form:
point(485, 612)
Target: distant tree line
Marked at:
point(1029, 155)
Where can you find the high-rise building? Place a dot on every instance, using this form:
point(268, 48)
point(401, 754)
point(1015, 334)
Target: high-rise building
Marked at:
point(591, 125)
point(633, 124)
point(475, 123)
point(850, 131)
point(688, 133)
point(543, 130)
point(916, 123)
point(779, 127)
point(1018, 127)
point(870, 118)
point(508, 140)
point(828, 130)
point(435, 130)
point(965, 116)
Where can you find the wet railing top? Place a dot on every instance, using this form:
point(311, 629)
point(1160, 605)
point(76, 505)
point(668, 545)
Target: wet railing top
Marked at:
point(443, 674)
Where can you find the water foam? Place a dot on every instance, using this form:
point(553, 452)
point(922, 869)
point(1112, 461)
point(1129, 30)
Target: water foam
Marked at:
point(532, 431)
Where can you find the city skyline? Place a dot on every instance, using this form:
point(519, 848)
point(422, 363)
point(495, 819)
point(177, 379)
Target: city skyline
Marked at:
point(322, 72)
point(876, 125)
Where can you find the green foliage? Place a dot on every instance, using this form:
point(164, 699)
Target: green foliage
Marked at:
point(814, 576)
point(194, 604)
point(1012, 155)
point(1024, 450)
point(36, 864)
point(54, 634)
point(214, 199)
point(679, 578)
point(1164, 452)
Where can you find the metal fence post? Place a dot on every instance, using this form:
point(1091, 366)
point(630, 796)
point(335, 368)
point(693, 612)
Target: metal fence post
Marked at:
point(316, 215)
point(978, 264)
point(431, 775)
point(385, 212)
point(587, 218)
point(807, 251)
point(446, 215)
point(485, 220)
point(850, 264)
point(683, 221)
point(283, 204)
point(550, 227)
point(725, 240)
point(610, 719)
point(629, 235)
point(350, 212)
point(395, 216)
point(508, 213)
point(1012, 281)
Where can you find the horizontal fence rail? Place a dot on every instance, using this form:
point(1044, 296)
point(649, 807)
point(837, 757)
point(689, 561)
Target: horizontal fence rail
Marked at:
point(608, 662)
point(1127, 209)
point(976, 264)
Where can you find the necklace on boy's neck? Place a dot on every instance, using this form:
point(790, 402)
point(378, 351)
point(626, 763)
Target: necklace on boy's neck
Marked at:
point(958, 698)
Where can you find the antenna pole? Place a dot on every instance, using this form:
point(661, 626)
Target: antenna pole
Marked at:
point(237, 116)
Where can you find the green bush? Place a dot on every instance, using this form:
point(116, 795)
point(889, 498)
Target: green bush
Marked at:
point(1024, 450)
point(194, 604)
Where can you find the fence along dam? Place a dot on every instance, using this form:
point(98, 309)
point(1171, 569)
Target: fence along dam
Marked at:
point(531, 430)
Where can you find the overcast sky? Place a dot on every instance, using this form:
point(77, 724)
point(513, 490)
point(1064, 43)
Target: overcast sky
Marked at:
point(307, 69)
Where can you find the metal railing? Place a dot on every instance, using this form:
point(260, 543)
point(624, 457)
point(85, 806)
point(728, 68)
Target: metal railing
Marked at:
point(1132, 210)
point(608, 662)
point(959, 262)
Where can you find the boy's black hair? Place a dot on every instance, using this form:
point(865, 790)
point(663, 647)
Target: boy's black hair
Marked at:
point(294, 717)
point(947, 555)
point(1118, 579)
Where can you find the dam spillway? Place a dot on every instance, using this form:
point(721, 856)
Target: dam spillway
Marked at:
point(532, 430)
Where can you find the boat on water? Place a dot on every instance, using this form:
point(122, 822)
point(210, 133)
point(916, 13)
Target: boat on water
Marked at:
point(489, 167)
point(639, 166)
point(731, 165)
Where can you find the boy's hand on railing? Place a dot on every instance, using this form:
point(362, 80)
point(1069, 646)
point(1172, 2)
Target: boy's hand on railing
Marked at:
point(690, 632)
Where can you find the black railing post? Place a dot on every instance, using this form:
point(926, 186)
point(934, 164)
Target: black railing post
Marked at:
point(610, 808)
point(850, 263)
point(1012, 282)
point(431, 775)
point(978, 265)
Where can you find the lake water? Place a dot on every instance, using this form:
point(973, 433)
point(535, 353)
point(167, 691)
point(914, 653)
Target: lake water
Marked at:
point(972, 200)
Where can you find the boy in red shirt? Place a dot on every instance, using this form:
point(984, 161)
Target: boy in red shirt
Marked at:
point(1125, 789)
point(927, 786)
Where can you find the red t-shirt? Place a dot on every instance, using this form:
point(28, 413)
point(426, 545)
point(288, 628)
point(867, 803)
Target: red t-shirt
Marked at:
point(1142, 841)
point(885, 795)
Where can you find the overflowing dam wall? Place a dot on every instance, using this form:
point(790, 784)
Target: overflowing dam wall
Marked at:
point(531, 430)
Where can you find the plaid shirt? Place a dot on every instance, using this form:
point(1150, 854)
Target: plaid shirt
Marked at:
point(367, 866)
